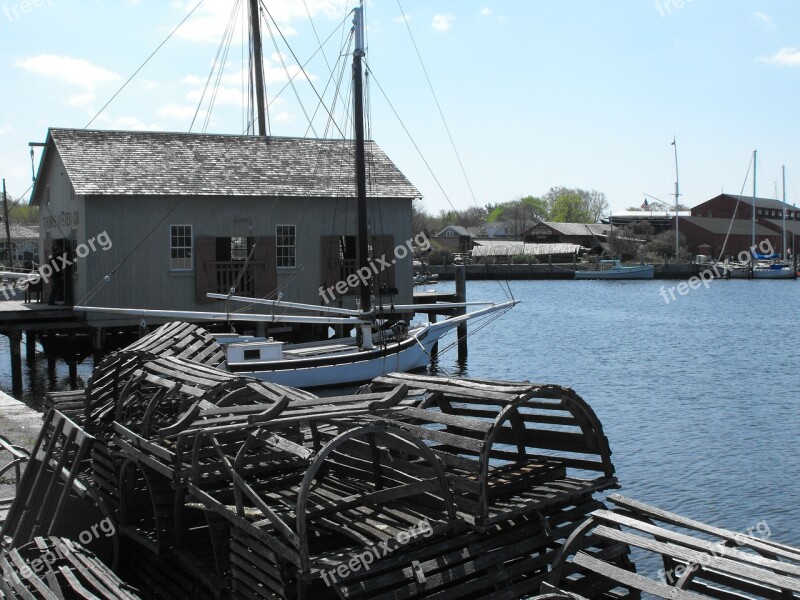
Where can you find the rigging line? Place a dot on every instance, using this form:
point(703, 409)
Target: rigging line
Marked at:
point(336, 93)
point(294, 56)
point(291, 81)
point(482, 323)
point(735, 208)
point(438, 106)
point(413, 142)
point(226, 43)
point(136, 72)
point(214, 63)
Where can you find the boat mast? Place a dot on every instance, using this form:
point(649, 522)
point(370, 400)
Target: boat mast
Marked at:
point(677, 195)
point(753, 220)
point(361, 169)
point(783, 212)
point(255, 32)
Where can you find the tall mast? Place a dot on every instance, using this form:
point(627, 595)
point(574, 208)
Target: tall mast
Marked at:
point(360, 167)
point(783, 212)
point(677, 195)
point(753, 220)
point(255, 33)
point(8, 228)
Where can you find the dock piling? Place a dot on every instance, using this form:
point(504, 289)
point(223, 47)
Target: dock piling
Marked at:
point(461, 296)
point(15, 341)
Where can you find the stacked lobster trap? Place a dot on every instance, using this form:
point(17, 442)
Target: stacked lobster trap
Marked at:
point(413, 487)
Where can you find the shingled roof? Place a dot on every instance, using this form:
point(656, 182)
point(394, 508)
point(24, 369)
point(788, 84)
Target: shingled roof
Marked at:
point(156, 163)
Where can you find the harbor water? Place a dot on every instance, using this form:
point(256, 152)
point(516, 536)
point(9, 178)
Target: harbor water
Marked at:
point(698, 395)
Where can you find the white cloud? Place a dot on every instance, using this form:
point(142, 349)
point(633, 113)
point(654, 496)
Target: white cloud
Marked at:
point(485, 12)
point(74, 71)
point(179, 111)
point(764, 19)
point(128, 123)
point(208, 24)
point(224, 95)
point(442, 22)
point(788, 56)
point(81, 99)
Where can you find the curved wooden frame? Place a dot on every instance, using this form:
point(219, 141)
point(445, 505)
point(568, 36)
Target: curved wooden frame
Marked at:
point(318, 461)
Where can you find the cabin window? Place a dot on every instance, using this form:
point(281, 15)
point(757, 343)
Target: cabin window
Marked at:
point(239, 248)
point(252, 354)
point(180, 246)
point(285, 245)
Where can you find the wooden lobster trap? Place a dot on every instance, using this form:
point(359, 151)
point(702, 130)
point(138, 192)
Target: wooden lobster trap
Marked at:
point(510, 448)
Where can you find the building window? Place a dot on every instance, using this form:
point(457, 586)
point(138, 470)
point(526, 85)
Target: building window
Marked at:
point(240, 248)
point(180, 247)
point(286, 245)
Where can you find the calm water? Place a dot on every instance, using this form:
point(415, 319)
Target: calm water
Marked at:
point(699, 397)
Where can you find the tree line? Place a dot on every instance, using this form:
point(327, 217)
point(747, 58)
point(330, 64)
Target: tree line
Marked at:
point(560, 204)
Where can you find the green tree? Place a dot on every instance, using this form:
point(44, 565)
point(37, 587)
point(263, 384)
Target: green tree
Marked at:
point(575, 205)
point(570, 208)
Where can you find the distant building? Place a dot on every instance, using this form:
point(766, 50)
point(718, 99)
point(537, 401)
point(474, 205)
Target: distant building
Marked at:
point(24, 244)
point(660, 220)
point(188, 214)
point(454, 238)
point(708, 236)
point(593, 236)
point(727, 206)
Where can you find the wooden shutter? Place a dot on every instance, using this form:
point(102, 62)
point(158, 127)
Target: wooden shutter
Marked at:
point(383, 248)
point(265, 271)
point(330, 260)
point(204, 273)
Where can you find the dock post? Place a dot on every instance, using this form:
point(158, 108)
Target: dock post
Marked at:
point(461, 296)
point(435, 349)
point(14, 341)
point(30, 346)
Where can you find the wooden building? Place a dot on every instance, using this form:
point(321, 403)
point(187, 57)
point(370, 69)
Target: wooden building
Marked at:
point(183, 214)
point(707, 236)
point(727, 206)
point(587, 235)
point(24, 245)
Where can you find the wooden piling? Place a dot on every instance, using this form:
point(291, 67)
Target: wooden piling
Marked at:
point(15, 340)
point(461, 296)
point(30, 346)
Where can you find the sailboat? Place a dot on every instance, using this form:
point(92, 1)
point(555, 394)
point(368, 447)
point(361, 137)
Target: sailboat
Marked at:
point(774, 266)
point(378, 348)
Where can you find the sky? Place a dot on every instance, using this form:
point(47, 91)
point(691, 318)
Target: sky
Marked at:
point(477, 102)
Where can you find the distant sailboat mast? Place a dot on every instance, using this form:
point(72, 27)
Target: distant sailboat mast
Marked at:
point(753, 220)
point(783, 211)
point(677, 195)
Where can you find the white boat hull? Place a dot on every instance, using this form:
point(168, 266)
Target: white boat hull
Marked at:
point(774, 274)
point(347, 367)
point(643, 272)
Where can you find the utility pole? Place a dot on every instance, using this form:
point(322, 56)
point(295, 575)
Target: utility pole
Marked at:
point(255, 31)
point(8, 228)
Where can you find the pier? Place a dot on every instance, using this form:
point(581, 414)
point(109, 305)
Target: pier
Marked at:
point(550, 270)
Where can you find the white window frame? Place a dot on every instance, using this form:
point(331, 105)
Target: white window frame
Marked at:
point(278, 246)
point(191, 249)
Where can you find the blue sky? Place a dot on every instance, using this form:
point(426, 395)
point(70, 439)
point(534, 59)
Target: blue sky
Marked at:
point(536, 93)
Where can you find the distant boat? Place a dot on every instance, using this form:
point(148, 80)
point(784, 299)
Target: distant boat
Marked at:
point(614, 269)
